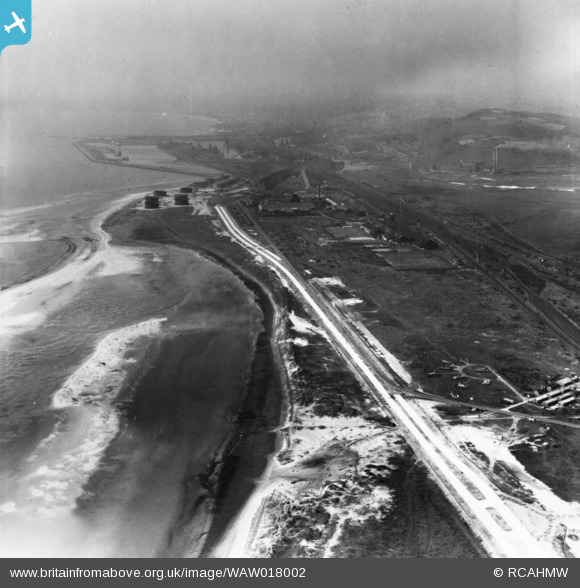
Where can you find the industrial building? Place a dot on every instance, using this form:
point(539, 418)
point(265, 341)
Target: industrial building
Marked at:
point(286, 207)
point(563, 393)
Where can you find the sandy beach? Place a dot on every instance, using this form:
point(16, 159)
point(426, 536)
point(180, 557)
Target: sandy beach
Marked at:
point(57, 246)
point(191, 393)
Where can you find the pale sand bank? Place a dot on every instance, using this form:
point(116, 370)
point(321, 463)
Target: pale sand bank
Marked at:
point(20, 306)
point(56, 472)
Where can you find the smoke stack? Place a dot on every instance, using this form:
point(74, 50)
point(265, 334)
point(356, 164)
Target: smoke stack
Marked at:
point(495, 164)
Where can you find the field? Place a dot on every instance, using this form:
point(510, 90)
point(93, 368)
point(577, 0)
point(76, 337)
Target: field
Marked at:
point(450, 319)
point(426, 316)
point(562, 453)
point(463, 341)
point(546, 218)
point(414, 260)
point(347, 483)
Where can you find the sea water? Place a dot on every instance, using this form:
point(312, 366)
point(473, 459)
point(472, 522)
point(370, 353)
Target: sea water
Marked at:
point(88, 466)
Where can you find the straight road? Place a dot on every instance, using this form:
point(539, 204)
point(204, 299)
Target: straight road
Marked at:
point(501, 532)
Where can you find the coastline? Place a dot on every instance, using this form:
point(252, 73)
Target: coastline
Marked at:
point(277, 450)
point(28, 303)
point(258, 429)
point(127, 405)
point(336, 484)
point(88, 247)
point(86, 422)
point(193, 169)
point(307, 450)
point(17, 234)
point(274, 452)
point(211, 502)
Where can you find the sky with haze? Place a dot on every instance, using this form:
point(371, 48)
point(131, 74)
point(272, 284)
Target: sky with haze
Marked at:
point(215, 54)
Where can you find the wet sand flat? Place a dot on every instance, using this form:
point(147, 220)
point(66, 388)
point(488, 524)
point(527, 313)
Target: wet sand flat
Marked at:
point(153, 479)
point(22, 261)
point(152, 489)
point(250, 437)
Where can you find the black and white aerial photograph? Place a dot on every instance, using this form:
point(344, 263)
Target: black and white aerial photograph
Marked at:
point(290, 279)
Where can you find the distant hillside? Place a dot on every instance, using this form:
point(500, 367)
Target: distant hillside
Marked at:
point(528, 141)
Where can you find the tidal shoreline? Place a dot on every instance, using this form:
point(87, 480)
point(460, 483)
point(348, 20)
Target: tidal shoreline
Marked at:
point(256, 438)
point(27, 230)
point(211, 500)
point(226, 391)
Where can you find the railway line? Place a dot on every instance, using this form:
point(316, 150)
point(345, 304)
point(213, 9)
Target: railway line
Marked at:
point(449, 232)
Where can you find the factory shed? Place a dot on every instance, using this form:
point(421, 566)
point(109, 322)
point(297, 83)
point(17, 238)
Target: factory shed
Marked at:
point(287, 207)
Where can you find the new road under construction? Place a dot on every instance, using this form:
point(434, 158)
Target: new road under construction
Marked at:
point(501, 533)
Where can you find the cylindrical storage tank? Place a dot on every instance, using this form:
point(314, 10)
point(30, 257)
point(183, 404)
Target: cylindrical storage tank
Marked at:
point(159, 193)
point(151, 201)
point(181, 199)
point(186, 190)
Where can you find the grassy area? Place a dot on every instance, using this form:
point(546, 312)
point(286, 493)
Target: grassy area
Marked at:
point(424, 317)
point(547, 219)
point(356, 461)
point(557, 464)
point(418, 522)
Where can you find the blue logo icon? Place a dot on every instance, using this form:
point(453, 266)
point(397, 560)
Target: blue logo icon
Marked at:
point(15, 22)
